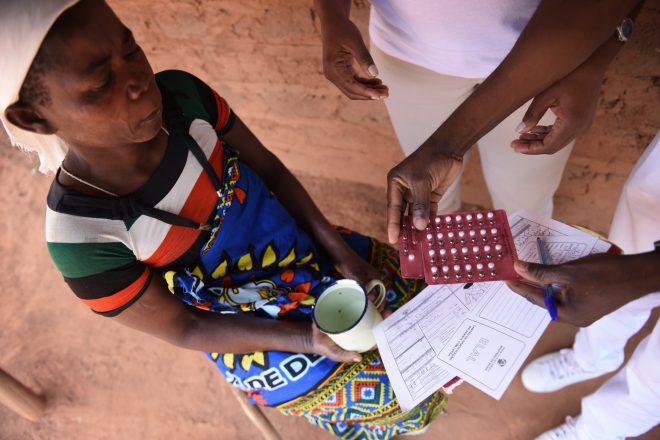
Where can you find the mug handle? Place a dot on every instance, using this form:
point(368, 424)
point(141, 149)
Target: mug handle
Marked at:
point(381, 291)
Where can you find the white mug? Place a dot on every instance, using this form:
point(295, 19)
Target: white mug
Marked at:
point(344, 313)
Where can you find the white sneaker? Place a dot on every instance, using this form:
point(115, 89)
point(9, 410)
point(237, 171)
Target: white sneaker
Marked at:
point(566, 431)
point(555, 371)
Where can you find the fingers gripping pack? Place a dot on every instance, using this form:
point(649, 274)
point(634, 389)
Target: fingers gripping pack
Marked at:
point(459, 248)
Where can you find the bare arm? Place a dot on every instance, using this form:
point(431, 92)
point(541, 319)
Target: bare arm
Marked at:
point(298, 203)
point(160, 314)
point(559, 38)
point(346, 59)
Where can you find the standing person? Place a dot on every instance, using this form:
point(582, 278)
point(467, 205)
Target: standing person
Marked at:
point(613, 296)
point(455, 73)
point(167, 215)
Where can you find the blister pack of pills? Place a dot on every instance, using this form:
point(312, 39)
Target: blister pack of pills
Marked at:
point(459, 248)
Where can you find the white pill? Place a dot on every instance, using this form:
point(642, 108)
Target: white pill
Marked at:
point(443, 251)
point(457, 268)
point(486, 248)
point(461, 234)
point(491, 265)
point(473, 233)
point(464, 250)
point(493, 231)
point(480, 216)
point(437, 219)
point(483, 232)
point(468, 217)
point(475, 249)
point(434, 269)
point(453, 251)
point(431, 252)
point(411, 257)
point(445, 269)
point(468, 267)
point(498, 247)
point(490, 215)
point(429, 237)
point(480, 266)
point(448, 219)
point(459, 218)
point(440, 235)
point(450, 234)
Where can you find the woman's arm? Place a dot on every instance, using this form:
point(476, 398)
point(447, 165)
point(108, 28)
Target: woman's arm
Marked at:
point(559, 38)
point(295, 199)
point(159, 313)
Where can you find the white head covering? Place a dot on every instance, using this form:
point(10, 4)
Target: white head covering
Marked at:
point(23, 27)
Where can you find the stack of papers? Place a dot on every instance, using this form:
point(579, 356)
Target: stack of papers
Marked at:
point(481, 332)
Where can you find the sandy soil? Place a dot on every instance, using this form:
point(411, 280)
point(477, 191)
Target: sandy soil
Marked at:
point(107, 382)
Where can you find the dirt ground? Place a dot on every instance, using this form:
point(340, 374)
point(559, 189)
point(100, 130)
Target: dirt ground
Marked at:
point(107, 382)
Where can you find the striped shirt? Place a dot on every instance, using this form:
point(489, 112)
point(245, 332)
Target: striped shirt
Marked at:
point(109, 263)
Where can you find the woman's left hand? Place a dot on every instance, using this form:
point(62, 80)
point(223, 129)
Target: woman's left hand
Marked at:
point(355, 268)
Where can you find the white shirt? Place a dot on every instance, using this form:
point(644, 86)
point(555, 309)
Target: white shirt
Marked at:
point(636, 223)
point(465, 38)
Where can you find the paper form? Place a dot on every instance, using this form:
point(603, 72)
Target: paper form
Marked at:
point(480, 332)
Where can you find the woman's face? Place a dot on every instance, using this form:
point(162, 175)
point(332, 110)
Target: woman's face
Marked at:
point(102, 89)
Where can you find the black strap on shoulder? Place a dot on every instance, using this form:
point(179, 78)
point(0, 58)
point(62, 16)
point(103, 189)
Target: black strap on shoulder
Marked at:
point(129, 207)
point(176, 123)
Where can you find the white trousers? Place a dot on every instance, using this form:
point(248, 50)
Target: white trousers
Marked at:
point(628, 404)
point(421, 99)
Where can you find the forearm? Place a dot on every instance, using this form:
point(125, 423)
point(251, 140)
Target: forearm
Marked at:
point(330, 11)
point(211, 332)
point(560, 37)
point(644, 270)
point(302, 208)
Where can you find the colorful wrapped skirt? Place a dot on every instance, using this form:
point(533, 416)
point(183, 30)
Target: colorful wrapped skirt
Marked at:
point(258, 260)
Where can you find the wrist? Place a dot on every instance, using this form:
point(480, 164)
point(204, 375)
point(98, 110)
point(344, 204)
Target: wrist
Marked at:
point(647, 269)
point(331, 14)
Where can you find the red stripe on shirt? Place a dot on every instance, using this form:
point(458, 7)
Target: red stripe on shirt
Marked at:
point(223, 111)
point(198, 207)
point(120, 298)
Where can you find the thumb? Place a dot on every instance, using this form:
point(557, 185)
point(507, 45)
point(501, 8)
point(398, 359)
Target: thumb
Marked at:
point(534, 113)
point(420, 209)
point(340, 355)
point(536, 273)
point(364, 60)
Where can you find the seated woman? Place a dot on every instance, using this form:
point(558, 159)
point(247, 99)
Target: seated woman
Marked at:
point(169, 216)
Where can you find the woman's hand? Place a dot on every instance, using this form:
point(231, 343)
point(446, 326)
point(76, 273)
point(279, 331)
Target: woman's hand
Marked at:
point(419, 180)
point(355, 268)
point(347, 62)
point(590, 287)
point(319, 343)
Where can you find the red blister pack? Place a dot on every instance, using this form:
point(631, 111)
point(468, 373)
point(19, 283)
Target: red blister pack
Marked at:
point(461, 247)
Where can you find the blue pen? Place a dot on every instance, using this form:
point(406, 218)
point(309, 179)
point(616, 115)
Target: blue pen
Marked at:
point(548, 295)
